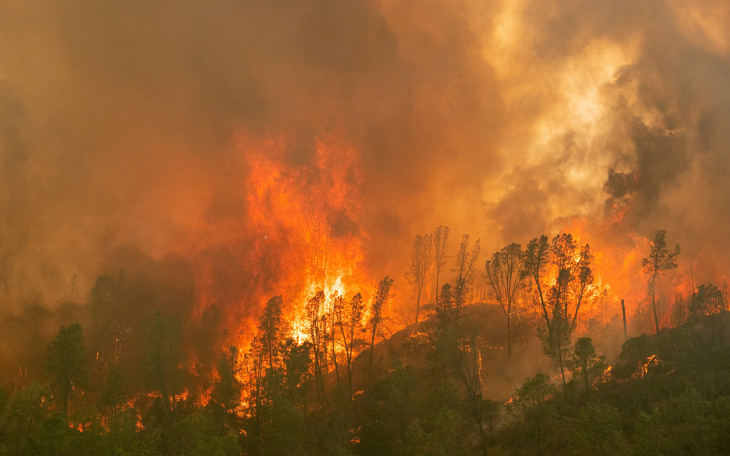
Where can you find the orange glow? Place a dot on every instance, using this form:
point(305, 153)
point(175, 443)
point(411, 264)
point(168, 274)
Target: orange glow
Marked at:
point(304, 224)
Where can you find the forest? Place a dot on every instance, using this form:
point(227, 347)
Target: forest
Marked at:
point(341, 380)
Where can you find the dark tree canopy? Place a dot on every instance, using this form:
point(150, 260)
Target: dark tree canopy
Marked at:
point(67, 362)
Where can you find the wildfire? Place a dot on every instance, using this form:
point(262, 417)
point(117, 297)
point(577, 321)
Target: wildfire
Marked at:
point(303, 230)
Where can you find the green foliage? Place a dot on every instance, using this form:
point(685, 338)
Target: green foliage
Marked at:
point(389, 409)
point(598, 431)
point(586, 366)
point(198, 434)
point(536, 422)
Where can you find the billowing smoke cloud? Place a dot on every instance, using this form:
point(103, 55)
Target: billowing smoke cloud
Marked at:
point(121, 127)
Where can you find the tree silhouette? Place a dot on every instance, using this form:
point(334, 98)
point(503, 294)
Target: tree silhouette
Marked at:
point(162, 358)
point(585, 364)
point(270, 329)
point(660, 259)
point(421, 259)
point(440, 249)
point(376, 316)
point(464, 269)
point(67, 362)
point(349, 320)
point(560, 306)
point(316, 331)
point(504, 274)
point(707, 300)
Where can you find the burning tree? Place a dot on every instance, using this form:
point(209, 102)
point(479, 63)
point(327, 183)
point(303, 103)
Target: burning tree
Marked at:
point(504, 274)
point(660, 259)
point(572, 281)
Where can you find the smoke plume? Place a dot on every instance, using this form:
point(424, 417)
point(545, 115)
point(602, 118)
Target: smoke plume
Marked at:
point(131, 134)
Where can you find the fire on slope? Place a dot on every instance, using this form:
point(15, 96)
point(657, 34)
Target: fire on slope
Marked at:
point(303, 213)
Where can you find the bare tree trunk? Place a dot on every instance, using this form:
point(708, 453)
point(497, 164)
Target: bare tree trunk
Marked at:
point(653, 302)
point(509, 335)
point(623, 310)
point(370, 363)
point(418, 306)
point(560, 358)
point(334, 354)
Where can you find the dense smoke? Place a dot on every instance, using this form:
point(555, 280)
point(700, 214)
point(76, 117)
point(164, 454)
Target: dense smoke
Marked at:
point(121, 127)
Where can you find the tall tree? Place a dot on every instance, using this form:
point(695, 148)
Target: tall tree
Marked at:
point(67, 362)
point(464, 269)
point(349, 321)
point(209, 341)
point(316, 332)
point(537, 256)
point(421, 259)
point(445, 308)
point(531, 404)
point(660, 259)
point(585, 364)
point(440, 253)
point(463, 356)
point(504, 274)
point(572, 282)
point(382, 295)
point(227, 388)
point(162, 358)
point(270, 329)
point(334, 316)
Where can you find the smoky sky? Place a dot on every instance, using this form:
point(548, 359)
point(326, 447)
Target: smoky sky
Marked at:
point(118, 127)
